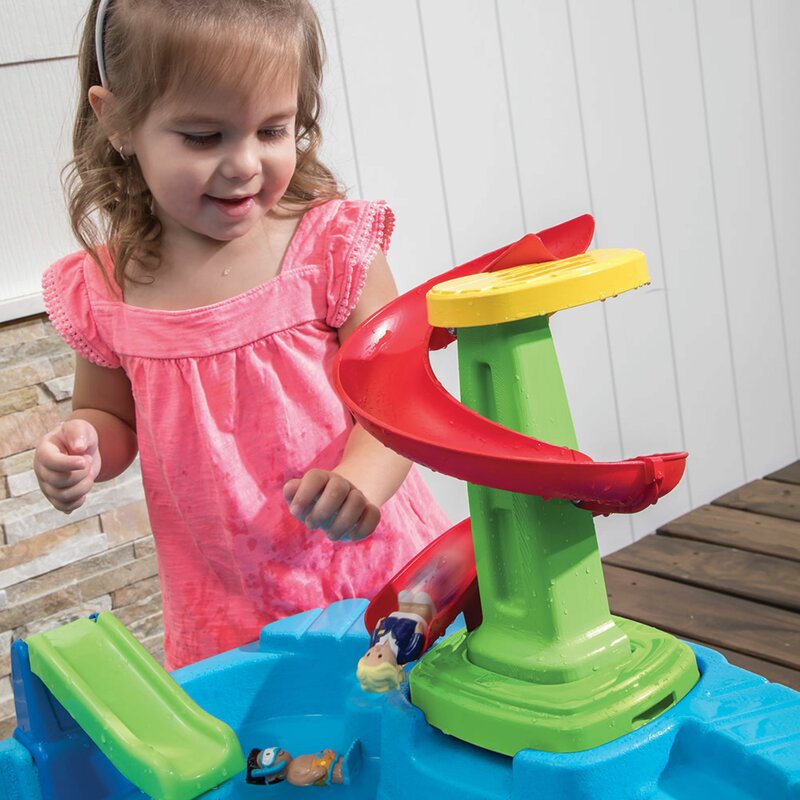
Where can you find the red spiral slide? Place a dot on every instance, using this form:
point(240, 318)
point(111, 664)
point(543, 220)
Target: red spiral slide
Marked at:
point(383, 374)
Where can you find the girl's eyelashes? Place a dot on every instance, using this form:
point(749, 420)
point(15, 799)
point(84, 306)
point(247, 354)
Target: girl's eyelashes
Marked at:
point(200, 139)
point(208, 139)
point(273, 133)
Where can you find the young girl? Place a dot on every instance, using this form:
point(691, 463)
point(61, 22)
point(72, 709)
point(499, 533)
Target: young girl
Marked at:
point(206, 310)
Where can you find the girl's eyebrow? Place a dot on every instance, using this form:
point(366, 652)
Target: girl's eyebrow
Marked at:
point(202, 119)
point(191, 119)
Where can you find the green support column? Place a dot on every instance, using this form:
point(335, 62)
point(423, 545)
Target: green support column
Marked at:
point(547, 618)
point(549, 668)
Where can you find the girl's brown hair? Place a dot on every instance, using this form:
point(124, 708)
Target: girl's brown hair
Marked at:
point(156, 47)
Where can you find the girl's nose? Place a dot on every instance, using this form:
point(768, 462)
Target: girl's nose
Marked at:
point(241, 161)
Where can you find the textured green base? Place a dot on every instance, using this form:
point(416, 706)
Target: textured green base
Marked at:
point(507, 715)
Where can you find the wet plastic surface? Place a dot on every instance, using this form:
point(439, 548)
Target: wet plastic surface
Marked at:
point(138, 716)
point(446, 570)
point(438, 431)
point(734, 735)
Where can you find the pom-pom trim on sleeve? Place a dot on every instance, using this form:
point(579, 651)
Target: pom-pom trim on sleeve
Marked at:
point(375, 233)
point(60, 318)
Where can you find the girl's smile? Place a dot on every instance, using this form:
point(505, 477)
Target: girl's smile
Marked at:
point(234, 207)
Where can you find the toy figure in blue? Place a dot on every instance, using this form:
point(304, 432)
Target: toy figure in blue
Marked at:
point(327, 766)
point(396, 640)
point(267, 766)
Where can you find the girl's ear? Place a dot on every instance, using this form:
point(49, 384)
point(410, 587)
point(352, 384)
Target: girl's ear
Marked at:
point(101, 100)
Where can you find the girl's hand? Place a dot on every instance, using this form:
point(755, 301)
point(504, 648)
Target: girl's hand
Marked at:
point(326, 500)
point(66, 463)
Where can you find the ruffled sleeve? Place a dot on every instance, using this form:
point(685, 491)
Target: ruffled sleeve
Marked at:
point(68, 301)
point(358, 231)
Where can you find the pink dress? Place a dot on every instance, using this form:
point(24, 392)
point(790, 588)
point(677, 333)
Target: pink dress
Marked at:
point(232, 400)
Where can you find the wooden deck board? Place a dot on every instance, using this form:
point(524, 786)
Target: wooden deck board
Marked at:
point(726, 575)
point(730, 527)
point(771, 498)
point(790, 474)
point(768, 579)
point(743, 625)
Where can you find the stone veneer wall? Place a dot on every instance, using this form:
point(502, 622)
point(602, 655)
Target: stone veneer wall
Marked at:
point(56, 568)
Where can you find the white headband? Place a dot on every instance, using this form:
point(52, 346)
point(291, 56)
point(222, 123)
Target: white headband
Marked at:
point(99, 27)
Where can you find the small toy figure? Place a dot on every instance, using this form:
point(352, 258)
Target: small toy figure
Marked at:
point(396, 640)
point(316, 769)
point(267, 766)
point(274, 765)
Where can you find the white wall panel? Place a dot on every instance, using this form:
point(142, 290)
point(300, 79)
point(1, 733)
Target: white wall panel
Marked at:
point(32, 30)
point(748, 253)
point(621, 185)
point(474, 129)
point(693, 279)
point(338, 149)
point(34, 146)
point(777, 27)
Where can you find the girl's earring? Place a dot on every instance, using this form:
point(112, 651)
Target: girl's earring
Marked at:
point(121, 151)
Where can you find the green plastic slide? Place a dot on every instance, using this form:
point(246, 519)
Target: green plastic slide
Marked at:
point(147, 726)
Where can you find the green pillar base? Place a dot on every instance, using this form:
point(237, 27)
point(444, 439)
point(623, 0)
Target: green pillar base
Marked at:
point(507, 715)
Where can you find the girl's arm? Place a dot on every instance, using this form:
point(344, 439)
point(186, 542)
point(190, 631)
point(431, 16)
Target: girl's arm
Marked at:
point(97, 441)
point(103, 398)
point(374, 468)
point(346, 501)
